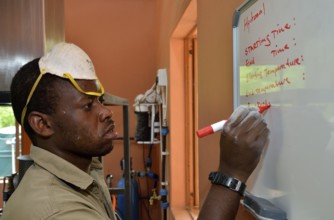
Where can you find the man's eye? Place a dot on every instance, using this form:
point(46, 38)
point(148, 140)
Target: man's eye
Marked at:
point(88, 106)
point(100, 99)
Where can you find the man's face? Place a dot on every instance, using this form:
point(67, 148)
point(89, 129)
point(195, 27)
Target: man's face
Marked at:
point(82, 125)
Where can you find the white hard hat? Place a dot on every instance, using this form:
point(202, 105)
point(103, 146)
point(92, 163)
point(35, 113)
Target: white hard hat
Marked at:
point(68, 58)
point(68, 61)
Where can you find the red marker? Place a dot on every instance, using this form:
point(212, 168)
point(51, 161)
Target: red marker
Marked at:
point(219, 125)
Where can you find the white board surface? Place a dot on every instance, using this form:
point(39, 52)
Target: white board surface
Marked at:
point(284, 56)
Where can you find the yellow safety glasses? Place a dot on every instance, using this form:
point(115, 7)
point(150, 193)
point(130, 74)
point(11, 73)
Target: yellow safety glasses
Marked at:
point(74, 83)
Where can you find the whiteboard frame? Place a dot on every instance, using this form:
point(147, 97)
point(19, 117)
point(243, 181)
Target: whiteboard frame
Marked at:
point(236, 72)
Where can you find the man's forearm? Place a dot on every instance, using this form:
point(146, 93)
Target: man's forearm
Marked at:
point(221, 203)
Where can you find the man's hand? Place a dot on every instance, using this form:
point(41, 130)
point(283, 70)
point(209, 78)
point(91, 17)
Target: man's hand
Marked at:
point(242, 141)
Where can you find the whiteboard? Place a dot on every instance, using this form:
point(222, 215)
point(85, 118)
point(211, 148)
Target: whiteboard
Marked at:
point(284, 56)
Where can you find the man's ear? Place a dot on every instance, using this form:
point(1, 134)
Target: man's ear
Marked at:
point(40, 123)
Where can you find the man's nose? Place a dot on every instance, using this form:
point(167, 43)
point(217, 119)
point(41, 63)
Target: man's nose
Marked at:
point(105, 113)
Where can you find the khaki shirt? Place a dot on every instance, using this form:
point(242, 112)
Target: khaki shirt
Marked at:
point(53, 189)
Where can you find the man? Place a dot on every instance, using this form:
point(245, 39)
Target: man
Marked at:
point(58, 99)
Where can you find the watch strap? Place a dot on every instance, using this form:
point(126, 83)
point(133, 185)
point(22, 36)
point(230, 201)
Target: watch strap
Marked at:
point(218, 178)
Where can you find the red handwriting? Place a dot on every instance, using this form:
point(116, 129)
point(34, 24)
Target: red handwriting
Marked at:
point(294, 62)
point(267, 40)
point(280, 30)
point(272, 76)
point(273, 71)
point(260, 103)
point(254, 75)
point(253, 17)
point(250, 62)
point(280, 50)
point(261, 41)
point(273, 85)
point(249, 93)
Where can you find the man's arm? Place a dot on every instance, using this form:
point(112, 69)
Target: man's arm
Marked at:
point(242, 141)
point(221, 204)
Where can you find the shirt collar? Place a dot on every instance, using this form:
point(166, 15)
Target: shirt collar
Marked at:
point(62, 168)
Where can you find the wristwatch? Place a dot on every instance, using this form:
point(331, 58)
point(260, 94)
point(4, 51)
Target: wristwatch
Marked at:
point(218, 178)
